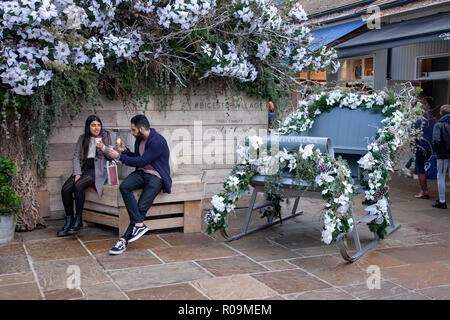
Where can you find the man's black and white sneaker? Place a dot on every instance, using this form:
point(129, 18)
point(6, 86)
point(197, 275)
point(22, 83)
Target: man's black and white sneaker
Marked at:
point(138, 232)
point(118, 248)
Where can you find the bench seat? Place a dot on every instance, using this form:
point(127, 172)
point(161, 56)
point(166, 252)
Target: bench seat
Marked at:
point(181, 208)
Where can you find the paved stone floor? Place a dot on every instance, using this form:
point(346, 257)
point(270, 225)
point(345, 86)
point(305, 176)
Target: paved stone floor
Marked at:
point(286, 261)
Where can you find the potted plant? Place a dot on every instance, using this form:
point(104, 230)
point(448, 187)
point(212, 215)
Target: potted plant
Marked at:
point(9, 200)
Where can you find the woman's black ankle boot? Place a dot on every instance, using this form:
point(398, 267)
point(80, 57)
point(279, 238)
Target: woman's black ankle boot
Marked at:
point(65, 229)
point(77, 224)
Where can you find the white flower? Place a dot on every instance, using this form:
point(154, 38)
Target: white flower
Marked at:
point(324, 177)
point(255, 142)
point(263, 50)
point(327, 235)
point(43, 77)
point(342, 200)
point(24, 90)
point(98, 61)
point(367, 161)
point(207, 49)
point(298, 12)
point(217, 202)
point(27, 52)
point(62, 51)
point(307, 151)
point(80, 57)
point(233, 181)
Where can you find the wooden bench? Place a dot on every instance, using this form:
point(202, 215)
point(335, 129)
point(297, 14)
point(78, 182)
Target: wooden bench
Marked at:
point(181, 208)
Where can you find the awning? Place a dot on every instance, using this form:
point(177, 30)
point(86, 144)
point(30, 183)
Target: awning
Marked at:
point(327, 35)
point(426, 29)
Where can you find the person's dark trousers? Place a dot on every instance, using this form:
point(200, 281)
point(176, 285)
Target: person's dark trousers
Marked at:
point(78, 189)
point(151, 186)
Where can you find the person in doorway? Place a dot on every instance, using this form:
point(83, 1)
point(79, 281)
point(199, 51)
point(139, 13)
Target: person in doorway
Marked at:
point(424, 149)
point(441, 147)
point(89, 169)
point(151, 159)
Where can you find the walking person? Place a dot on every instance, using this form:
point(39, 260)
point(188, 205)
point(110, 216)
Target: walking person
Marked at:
point(424, 149)
point(152, 174)
point(89, 169)
point(441, 147)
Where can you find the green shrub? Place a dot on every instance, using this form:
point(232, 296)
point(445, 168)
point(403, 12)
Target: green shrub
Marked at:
point(9, 199)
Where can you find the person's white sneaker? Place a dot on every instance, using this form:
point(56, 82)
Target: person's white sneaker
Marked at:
point(118, 248)
point(137, 233)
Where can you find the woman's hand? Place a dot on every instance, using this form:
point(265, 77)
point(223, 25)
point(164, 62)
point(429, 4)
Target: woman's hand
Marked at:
point(77, 177)
point(100, 145)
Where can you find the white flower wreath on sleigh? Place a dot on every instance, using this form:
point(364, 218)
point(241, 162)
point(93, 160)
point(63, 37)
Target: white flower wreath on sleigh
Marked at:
point(331, 176)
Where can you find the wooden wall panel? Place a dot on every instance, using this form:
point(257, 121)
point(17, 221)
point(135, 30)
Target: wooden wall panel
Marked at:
point(189, 125)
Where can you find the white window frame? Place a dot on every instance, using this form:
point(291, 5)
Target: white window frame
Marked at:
point(351, 68)
point(416, 67)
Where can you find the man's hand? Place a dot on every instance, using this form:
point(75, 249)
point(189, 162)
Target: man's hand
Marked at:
point(120, 145)
point(113, 154)
point(77, 177)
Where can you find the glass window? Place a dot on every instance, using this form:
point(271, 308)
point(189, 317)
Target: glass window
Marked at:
point(368, 68)
point(433, 68)
point(345, 70)
point(357, 69)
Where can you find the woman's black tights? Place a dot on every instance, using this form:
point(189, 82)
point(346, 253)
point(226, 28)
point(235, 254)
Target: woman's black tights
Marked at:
point(77, 188)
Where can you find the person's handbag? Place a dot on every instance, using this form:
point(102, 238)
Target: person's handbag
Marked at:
point(431, 168)
point(113, 173)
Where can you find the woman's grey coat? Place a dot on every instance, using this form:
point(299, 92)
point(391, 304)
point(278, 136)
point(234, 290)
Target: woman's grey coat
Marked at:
point(100, 160)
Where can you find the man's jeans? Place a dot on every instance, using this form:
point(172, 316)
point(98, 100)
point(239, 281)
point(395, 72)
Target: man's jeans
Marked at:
point(151, 185)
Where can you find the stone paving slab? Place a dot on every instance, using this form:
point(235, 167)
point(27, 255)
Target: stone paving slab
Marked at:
point(234, 287)
point(323, 294)
point(290, 281)
point(103, 291)
point(182, 291)
point(53, 274)
point(158, 275)
point(22, 291)
point(132, 259)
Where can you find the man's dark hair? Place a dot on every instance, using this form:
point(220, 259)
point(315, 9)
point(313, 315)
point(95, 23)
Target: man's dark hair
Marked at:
point(140, 121)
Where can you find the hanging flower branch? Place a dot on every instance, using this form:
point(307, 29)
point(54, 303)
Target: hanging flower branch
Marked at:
point(332, 177)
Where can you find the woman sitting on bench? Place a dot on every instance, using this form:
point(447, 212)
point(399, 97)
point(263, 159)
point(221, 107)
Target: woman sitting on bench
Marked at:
point(89, 169)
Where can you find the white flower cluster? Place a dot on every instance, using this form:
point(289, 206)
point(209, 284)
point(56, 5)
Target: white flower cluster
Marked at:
point(298, 13)
point(288, 158)
point(218, 203)
point(380, 211)
point(263, 50)
point(185, 13)
point(23, 61)
point(233, 64)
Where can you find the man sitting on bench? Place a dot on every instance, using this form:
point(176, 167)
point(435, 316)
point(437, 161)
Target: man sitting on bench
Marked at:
point(151, 159)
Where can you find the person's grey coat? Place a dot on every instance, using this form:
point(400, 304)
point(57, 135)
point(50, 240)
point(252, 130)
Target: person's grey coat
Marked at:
point(441, 138)
point(100, 160)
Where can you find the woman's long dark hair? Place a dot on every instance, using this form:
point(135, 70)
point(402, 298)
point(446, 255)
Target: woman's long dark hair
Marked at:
point(87, 136)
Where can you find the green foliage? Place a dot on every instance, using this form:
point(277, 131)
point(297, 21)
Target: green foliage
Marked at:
point(7, 171)
point(9, 199)
point(379, 229)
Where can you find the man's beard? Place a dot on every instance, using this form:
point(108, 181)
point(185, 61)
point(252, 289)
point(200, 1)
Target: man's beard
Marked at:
point(140, 136)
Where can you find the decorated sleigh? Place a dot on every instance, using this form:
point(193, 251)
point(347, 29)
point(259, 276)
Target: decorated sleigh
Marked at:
point(339, 144)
